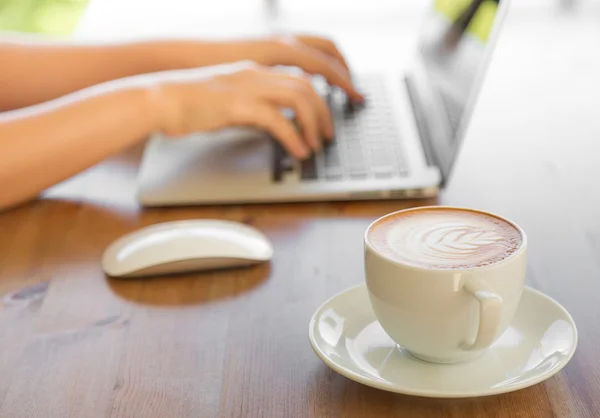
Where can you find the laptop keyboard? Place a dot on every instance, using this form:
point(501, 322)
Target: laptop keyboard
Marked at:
point(367, 143)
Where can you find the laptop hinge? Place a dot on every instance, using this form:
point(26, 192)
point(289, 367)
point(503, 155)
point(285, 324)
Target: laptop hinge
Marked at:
point(424, 134)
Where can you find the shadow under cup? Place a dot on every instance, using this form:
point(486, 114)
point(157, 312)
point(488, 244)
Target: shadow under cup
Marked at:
point(444, 315)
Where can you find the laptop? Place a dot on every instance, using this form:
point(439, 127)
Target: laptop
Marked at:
point(401, 144)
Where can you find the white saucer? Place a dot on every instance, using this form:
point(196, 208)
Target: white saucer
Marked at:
point(540, 341)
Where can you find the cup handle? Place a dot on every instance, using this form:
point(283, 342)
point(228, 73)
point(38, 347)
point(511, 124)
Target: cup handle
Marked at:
point(490, 313)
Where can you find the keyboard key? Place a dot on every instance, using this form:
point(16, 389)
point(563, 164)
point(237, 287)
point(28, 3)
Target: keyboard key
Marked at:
point(381, 158)
point(378, 145)
point(279, 164)
point(356, 168)
point(309, 169)
point(385, 171)
point(359, 175)
point(332, 160)
point(354, 150)
point(334, 174)
point(356, 161)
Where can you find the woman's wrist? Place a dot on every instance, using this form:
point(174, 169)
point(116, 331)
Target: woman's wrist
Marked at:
point(157, 56)
point(159, 107)
point(260, 50)
point(193, 54)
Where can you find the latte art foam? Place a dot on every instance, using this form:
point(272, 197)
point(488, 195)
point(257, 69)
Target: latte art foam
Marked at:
point(445, 238)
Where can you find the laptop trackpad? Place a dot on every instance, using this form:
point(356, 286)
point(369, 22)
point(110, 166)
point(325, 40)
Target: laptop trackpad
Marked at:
point(240, 157)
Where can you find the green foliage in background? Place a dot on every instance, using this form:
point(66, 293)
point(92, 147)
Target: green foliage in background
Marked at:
point(57, 17)
point(482, 22)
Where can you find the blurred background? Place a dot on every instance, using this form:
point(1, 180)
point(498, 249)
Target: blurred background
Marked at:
point(58, 17)
point(367, 25)
point(61, 17)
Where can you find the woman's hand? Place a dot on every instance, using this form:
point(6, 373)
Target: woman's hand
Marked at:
point(312, 54)
point(251, 95)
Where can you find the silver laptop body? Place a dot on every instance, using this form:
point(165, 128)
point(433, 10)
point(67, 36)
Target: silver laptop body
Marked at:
point(401, 144)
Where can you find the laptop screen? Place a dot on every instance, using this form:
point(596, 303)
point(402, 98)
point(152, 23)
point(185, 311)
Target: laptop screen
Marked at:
point(454, 47)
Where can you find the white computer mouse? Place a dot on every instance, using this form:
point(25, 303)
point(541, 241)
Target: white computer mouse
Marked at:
point(185, 246)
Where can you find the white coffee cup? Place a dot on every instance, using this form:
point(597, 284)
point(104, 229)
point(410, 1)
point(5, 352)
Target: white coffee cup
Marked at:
point(444, 315)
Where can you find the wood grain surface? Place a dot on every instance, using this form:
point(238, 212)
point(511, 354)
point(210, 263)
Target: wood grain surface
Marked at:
point(74, 343)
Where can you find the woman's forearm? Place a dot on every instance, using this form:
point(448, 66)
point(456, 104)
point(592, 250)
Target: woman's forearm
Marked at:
point(45, 144)
point(34, 71)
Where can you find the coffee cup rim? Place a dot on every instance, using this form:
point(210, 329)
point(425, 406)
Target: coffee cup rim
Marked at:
point(441, 207)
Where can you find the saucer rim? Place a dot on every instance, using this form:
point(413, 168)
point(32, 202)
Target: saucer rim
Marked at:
point(350, 374)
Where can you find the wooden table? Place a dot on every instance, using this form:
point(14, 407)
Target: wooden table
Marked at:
point(74, 343)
